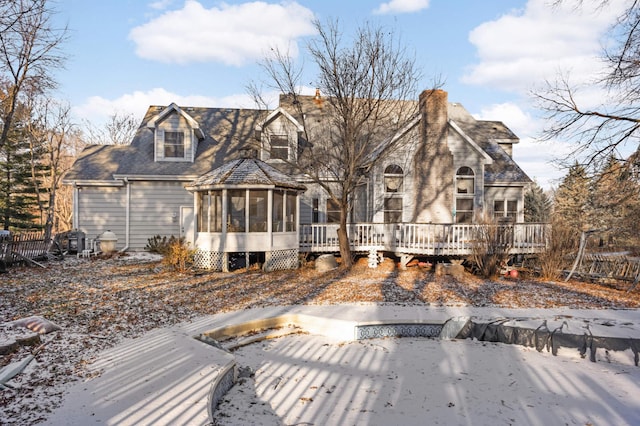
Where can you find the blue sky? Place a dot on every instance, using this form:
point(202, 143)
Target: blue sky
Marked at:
point(125, 55)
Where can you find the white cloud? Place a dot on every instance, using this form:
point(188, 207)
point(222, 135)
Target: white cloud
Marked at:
point(401, 6)
point(536, 157)
point(230, 34)
point(97, 109)
point(525, 47)
point(539, 160)
point(160, 4)
point(519, 121)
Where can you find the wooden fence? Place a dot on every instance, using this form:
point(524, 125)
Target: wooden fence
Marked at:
point(616, 266)
point(20, 248)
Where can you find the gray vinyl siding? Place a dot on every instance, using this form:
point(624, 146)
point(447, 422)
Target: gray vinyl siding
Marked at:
point(493, 193)
point(306, 203)
point(401, 157)
point(464, 155)
point(155, 210)
point(102, 209)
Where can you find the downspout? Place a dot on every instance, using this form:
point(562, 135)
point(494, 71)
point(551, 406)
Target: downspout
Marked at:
point(127, 216)
point(75, 220)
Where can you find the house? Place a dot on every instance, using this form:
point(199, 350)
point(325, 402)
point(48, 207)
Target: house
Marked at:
point(441, 168)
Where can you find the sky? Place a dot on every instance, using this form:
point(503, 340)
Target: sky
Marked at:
point(124, 55)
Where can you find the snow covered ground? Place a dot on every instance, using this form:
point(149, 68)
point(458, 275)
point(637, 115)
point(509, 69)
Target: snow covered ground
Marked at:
point(99, 302)
point(311, 380)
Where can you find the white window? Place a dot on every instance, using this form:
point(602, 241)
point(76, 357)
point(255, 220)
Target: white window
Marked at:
point(465, 181)
point(465, 189)
point(505, 208)
point(464, 210)
point(393, 210)
point(393, 179)
point(279, 147)
point(333, 211)
point(173, 144)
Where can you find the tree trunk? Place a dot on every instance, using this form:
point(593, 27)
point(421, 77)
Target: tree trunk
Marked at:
point(343, 240)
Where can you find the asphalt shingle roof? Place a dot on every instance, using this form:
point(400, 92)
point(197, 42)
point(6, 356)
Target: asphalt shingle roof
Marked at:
point(245, 171)
point(228, 131)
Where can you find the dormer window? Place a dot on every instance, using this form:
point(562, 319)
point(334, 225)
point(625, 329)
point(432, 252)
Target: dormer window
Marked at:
point(279, 147)
point(173, 144)
point(176, 135)
point(279, 134)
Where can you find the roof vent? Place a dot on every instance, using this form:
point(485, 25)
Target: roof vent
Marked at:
point(247, 152)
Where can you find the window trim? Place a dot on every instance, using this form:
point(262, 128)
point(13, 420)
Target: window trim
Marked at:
point(332, 209)
point(463, 214)
point(504, 210)
point(465, 174)
point(387, 212)
point(393, 174)
point(282, 137)
point(180, 143)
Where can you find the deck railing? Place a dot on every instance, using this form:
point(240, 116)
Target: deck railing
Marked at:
point(416, 238)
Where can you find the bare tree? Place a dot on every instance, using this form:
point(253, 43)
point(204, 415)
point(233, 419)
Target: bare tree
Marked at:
point(604, 130)
point(118, 130)
point(361, 103)
point(29, 53)
point(51, 137)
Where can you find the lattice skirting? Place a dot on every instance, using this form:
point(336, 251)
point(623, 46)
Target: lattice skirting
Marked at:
point(375, 331)
point(281, 259)
point(211, 260)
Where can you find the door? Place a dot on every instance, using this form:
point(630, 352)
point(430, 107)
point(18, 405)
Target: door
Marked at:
point(187, 224)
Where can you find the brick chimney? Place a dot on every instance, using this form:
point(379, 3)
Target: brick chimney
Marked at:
point(434, 161)
point(433, 108)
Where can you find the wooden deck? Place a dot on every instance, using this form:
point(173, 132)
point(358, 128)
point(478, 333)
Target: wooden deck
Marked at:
point(418, 239)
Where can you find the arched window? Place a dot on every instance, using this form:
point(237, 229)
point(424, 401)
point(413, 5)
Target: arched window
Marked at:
point(393, 178)
point(465, 189)
point(465, 181)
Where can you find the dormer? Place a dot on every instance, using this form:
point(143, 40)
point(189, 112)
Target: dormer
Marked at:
point(279, 134)
point(176, 135)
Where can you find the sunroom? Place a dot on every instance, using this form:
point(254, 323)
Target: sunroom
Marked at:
point(247, 212)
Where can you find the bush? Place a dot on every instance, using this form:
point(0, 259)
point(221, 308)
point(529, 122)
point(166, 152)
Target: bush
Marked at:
point(562, 242)
point(490, 249)
point(179, 255)
point(160, 244)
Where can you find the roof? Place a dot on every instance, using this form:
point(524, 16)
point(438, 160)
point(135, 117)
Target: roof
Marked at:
point(487, 135)
point(226, 132)
point(245, 171)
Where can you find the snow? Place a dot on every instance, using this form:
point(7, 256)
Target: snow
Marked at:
point(313, 380)
point(104, 303)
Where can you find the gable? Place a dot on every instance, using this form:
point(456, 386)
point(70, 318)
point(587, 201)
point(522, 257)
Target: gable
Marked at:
point(279, 134)
point(176, 135)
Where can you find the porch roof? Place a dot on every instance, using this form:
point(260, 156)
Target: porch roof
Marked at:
point(245, 171)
